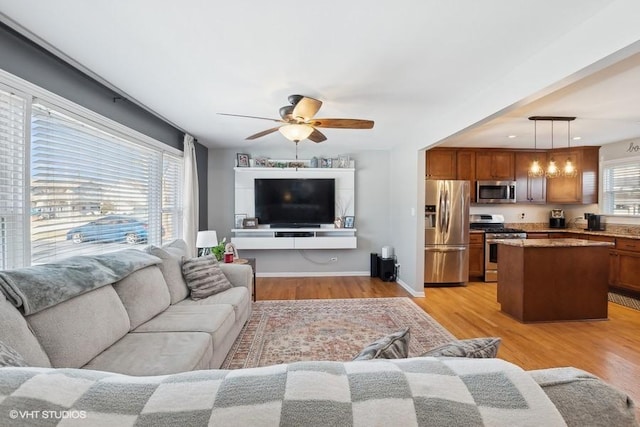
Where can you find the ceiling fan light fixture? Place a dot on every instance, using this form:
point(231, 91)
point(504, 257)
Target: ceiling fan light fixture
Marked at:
point(296, 132)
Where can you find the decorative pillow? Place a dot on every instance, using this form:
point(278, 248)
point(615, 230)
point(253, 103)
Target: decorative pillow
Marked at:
point(171, 268)
point(204, 277)
point(10, 357)
point(473, 348)
point(392, 346)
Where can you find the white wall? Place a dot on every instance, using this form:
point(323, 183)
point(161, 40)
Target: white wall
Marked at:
point(372, 212)
point(608, 36)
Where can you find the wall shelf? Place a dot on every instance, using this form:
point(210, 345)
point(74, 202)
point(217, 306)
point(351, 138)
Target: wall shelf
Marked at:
point(318, 238)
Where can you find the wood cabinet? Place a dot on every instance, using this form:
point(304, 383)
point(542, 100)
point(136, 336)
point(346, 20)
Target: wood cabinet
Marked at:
point(441, 163)
point(624, 270)
point(476, 255)
point(530, 189)
point(582, 189)
point(495, 165)
point(466, 169)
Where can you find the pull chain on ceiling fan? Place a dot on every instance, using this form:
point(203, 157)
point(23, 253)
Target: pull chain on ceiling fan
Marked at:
point(298, 122)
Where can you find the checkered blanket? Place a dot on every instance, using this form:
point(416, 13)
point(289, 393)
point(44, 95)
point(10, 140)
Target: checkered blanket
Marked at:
point(404, 392)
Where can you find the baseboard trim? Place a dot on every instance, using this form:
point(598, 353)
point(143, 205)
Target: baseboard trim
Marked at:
point(315, 274)
point(409, 289)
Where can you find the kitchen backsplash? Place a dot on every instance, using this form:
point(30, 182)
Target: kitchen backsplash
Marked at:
point(617, 229)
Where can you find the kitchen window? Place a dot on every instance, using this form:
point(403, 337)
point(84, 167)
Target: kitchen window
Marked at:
point(74, 183)
point(621, 187)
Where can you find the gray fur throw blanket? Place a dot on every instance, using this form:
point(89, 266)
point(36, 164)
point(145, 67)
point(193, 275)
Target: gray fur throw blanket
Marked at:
point(32, 289)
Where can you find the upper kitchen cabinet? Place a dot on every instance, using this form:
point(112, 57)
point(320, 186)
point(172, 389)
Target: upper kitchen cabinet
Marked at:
point(495, 165)
point(441, 164)
point(530, 189)
point(583, 189)
point(466, 169)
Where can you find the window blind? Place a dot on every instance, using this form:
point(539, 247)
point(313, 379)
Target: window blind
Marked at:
point(13, 193)
point(621, 188)
point(93, 191)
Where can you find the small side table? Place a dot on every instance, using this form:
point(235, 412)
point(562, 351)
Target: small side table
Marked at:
point(252, 263)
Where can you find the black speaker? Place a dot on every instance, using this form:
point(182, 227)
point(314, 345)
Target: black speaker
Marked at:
point(374, 264)
point(387, 269)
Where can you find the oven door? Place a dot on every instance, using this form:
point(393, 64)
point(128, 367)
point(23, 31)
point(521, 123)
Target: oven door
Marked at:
point(491, 260)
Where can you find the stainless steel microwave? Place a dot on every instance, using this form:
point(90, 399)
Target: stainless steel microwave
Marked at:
point(496, 192)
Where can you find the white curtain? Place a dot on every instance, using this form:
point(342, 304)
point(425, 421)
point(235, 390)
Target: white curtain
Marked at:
point(190, 195)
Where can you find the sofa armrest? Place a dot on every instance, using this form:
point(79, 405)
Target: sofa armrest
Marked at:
point(239, 275)
point(585, 400)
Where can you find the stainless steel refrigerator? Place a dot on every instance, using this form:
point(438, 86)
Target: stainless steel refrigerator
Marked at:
point(446, 234)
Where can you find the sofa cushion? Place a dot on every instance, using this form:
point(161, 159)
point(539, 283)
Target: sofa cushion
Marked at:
point(204, 277)
point(239, 298)
point(155, 353)
point(473, 347)
point(171, 255)
point(77, 330)
point(216, 320)
point(10, 357)
point(144, 294)
point(392, 346)
point(15, 332)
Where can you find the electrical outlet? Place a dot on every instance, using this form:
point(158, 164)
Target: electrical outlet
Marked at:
point(333, 259)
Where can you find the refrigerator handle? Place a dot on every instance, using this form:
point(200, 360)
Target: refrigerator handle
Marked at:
point(448, 210)
point(441, 208)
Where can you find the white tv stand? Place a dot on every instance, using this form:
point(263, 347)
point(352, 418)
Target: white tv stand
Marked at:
point(284, 238)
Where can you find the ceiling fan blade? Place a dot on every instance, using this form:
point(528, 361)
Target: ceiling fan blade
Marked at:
point(263, 133)
point(306, 108)
point(317, 136)
point(342, 123)
point(252, 117)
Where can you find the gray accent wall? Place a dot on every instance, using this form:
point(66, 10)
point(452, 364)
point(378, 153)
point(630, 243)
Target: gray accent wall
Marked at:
point(372, 212)
point(23, 58)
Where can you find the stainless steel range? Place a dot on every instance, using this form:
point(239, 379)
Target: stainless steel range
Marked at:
point(494, 230)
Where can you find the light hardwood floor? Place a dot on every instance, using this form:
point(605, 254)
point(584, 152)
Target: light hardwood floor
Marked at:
point(609, 349)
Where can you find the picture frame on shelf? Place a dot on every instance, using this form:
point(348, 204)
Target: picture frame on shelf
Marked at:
point(238, 220)
point(261, 162)
point(325, 163)
point(349, 221)
point(344, 162)
point(243, 160)
point(250, 223)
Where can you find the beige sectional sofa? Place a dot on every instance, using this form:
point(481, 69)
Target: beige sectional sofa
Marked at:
point(144, 324)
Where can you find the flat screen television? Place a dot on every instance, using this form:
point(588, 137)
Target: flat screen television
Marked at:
point(301, 202)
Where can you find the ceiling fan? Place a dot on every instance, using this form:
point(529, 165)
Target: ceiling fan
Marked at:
point(298, 123)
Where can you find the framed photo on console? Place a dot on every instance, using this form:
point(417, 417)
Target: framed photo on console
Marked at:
point(239, 219)
point(349, 221)
point(250, 223)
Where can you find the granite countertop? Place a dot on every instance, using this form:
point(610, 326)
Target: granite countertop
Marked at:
point(627, 231)
point(552, 243)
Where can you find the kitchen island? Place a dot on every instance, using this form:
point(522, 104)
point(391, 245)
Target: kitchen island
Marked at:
point(543, 280)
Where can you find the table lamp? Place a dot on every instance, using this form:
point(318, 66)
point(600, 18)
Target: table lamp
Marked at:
point(205, 241)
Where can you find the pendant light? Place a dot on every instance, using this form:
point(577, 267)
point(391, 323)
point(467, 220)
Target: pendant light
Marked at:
point(569, 170)
point(535, 170)
point(552, 168)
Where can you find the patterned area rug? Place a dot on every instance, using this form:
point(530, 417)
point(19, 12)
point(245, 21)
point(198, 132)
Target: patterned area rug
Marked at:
point(624, 300)
point(290, 331)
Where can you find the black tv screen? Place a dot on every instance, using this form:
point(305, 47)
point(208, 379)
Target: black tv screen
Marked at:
point(302, 202)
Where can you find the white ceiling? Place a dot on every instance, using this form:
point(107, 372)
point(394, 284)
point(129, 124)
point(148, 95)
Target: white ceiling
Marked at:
point(403, 66)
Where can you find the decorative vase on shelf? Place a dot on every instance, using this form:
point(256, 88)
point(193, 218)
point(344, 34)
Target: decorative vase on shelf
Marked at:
point(313, 163)
point(338, 222)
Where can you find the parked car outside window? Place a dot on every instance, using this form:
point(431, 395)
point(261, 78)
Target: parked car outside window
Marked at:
point(111, 228)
